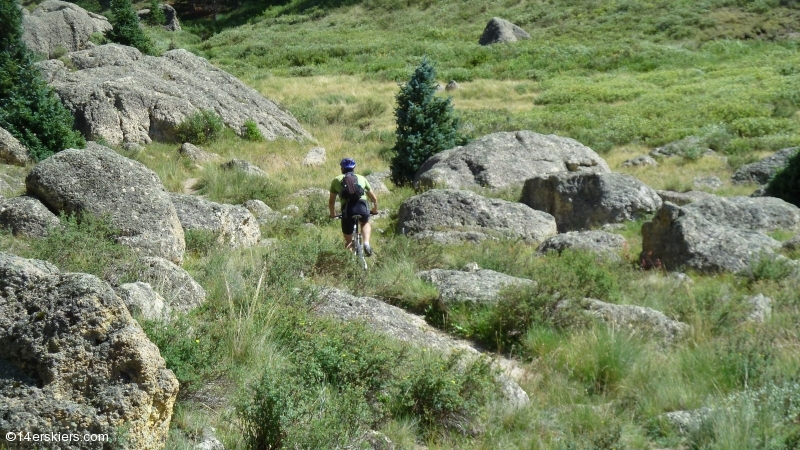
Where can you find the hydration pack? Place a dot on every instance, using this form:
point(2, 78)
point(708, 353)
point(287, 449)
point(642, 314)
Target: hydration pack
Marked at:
point(351, 190)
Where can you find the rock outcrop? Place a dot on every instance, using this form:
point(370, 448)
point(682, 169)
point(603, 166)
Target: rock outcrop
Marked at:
point(119, 94)
point(27, 216)
point(500, 30)
point(57, 27)
point(600, 242)
point(74, 361)
point(688, 147)
point(100, 182)
point(681, 237)
point(234, 226)
point(315, 157)
point(762, 171)
point(11, 150)
point(460, 211)
point(196, 154)
point(244, 167)
point(181, 292)
point(407, 327)
point(683, 198)
point(580, 201)
point(505, 159)
point(470, 285)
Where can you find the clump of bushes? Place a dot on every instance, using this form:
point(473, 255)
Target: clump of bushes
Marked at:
point(29, 109)
point(786, 183)
point(201, 127)
point(251, 131)
point(157, 16)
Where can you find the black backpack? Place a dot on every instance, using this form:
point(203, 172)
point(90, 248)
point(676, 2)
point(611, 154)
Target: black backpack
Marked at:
point(351, 190)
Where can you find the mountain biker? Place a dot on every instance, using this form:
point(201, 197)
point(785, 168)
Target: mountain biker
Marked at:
point(353, 207)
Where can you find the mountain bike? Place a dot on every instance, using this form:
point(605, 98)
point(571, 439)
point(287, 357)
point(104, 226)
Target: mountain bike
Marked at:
point(358, 241)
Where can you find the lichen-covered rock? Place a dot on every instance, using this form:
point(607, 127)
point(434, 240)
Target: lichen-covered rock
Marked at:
point(506, 159)
point(261, 211)
point(376, 182)
point(682, 198)
point(580, 201)
point(761, 308)
point(453, 210)
point(640, 161)
point(119, 94)
point(682, 237)
point(57, 26)
point(100, 182)
point(764, 214)
point(500, 30)
point(407, 327)
point(234, 225)
point(711, 182)
point(793, 243)
point(690, 146)
point(11, 150)
point(245, 167)
point(475, 285)
point(689, 421)
point(452, 237)
point(639, 320)
point(74, 361)
point(141, 299)
point(181, 292)
point(27, 216)
point(196, 154)
point(315, 157)
point(600, 242)
point(762, 171)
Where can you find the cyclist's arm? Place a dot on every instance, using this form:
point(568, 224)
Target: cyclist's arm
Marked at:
point(332, 204)
point(374, 201)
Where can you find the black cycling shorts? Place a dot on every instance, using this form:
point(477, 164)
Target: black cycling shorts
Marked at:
point(351, 209)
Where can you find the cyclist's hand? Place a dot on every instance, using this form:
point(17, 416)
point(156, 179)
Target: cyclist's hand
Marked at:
point(374, 211)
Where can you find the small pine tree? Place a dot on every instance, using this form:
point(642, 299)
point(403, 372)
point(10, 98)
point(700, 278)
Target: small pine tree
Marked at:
point(426, 124)
point(29, 109)
point(157, 16)
point(786, 183)
point(126, 29)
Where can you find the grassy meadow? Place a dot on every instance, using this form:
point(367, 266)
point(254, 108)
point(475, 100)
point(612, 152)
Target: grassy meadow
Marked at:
point(620, 76)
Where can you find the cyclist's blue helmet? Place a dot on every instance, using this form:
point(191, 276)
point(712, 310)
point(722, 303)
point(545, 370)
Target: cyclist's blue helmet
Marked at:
point(348, 164)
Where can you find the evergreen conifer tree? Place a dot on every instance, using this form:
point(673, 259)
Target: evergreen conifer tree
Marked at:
point(29, 109)
point(786, 183)
point(426, 124)
point(157, 16)
point(126, 29)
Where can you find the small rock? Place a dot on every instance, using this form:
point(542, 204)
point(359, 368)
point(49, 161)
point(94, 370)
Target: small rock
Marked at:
point(261, 211)
point(471, 267)
point(291, 209)
point(793, 243)
point(452, 86)
point(315, 157)
point(645, 321)
point(131, 147)
point(308, 192)
point(209, 441)
point(640, 161)
point(195, 153)
point(27, 216)
point(761, 308)
point(600, 242)
point(376, 440)
point(683, 198)
point(687, 147)
point(475, 285)
point(181, 292)
point(11, 150)
point(269, 242)
point(687, 422)
point(244, 166)
point(711, 182)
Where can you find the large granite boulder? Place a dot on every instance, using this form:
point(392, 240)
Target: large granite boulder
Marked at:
point(27, 216)
point(580, 201)
point(11, 150)
point(765, 214)
point(505, 159)
point(100, 182)
point(600, 242)
point(500, 30)
point(473, 284)
point(407, 327)
point(460, 211)
point(179, 290)
point(679, 236)
point(234, 226)
point(118, 94)
point(57, 26)
point(74, 361)
point(762, 171)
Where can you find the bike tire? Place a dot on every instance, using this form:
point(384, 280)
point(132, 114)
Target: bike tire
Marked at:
point(360, 250)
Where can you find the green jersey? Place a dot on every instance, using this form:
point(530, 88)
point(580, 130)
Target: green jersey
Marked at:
point(336, 187)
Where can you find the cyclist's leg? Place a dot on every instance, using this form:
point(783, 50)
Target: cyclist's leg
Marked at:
point(347, 231)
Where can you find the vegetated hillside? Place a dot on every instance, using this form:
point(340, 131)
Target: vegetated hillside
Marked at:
point(607, 73)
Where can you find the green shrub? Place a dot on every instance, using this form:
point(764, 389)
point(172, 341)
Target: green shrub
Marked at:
point(201, 242)
point(29, 109)
point(426, 124)
point(157, 16)
point(201, 127)
point(126, 29)
point(251, 131)
point(786, 183)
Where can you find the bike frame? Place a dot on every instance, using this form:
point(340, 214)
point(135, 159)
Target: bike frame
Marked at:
point(358, 242)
